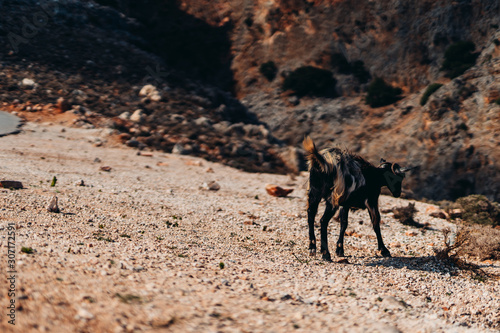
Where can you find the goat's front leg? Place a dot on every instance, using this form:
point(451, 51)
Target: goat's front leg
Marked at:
point(312, 209)
point(343, 216)
point(375, 217)
point(325, 219)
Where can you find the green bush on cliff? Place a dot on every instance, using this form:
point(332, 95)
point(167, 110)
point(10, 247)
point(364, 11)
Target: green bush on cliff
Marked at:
point(478, 209)
point(381, 93)
point(340, 63)
point(458, 58)
point(431, 89)
point(359, 71)
point(269, 70)
point(312, 81)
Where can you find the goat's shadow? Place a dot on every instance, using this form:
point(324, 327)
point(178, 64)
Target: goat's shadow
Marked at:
point(424, 264)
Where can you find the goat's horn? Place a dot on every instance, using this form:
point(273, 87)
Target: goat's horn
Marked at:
point(395, 168)
point(382, 161)
point(405, 169)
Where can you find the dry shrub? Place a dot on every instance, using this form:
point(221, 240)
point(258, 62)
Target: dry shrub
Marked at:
point(484, 242)
point(405, 215)
point(470, 242)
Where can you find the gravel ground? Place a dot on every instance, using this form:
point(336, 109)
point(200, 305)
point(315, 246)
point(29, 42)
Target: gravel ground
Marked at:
point(145, 247)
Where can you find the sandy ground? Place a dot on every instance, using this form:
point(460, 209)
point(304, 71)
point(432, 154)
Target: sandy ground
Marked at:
point(145, 247)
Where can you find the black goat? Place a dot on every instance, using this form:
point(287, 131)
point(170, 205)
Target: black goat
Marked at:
point(346, 180)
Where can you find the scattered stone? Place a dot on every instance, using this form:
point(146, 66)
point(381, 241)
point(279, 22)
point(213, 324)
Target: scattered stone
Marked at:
point(80, 183)
point(28, 83)
point(343, 261)
point(105, 168)
point(277, 191)
point(84, 315)
point(144, 153)
point(150, 92)
point(456, 213)
point(440, 214)
point(11, 184)
point(137, 116)
point(62, 105)
point(180, 149)
point(211, 186)
point(194, 163)
point(392, 302)
point(209, 170)
point(124, 116)
point(436, 212)
point(411, 233)
point(53, 207)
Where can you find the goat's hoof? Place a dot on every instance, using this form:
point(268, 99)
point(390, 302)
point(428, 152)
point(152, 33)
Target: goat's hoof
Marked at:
point(312, 252)
point(385, 253)
point(339, 252)
point(327, 256)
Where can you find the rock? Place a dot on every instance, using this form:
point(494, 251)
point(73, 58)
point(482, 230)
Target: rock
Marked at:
point(62, 105)
point(105, 168)
point(132, 143)
point(194, 163)
point(277, 191)
point(125, 115)
point(11, 184)
point(181, 150)
point(440, 214)
point(84, 315)
point(203, 121)
point(456, 213)
point(150, 92)
point(53, 207)
point(80, 183)
point(137, 116)
point(28, 83)
point(392, 303)
point(211, 186)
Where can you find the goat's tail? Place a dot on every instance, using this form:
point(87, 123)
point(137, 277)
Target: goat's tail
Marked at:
point(314, 158)
point(339, 190)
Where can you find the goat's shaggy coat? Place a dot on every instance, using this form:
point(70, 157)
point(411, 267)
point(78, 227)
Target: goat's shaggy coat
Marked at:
point(346, 180)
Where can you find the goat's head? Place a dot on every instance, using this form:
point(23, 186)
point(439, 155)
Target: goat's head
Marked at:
point(393, 176)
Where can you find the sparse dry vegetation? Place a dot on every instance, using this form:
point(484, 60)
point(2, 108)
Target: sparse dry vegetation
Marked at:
point(405, 215)
point(470, 242)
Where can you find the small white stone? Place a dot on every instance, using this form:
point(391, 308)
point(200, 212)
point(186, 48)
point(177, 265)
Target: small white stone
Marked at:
point(84, 314)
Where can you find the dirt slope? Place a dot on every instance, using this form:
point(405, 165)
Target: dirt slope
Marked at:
point(141, 248)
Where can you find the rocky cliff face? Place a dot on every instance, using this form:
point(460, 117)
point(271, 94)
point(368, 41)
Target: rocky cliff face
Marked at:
point(452, 139)
point(99, 54)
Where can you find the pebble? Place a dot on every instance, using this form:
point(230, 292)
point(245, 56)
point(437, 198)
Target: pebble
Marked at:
point(84, 314)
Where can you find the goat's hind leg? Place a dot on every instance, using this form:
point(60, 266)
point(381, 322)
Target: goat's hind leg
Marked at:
point(312, 209)
point(343, 216)
point(325, 219)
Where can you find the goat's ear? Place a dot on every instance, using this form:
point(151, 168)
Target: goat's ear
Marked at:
point(382, 161)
